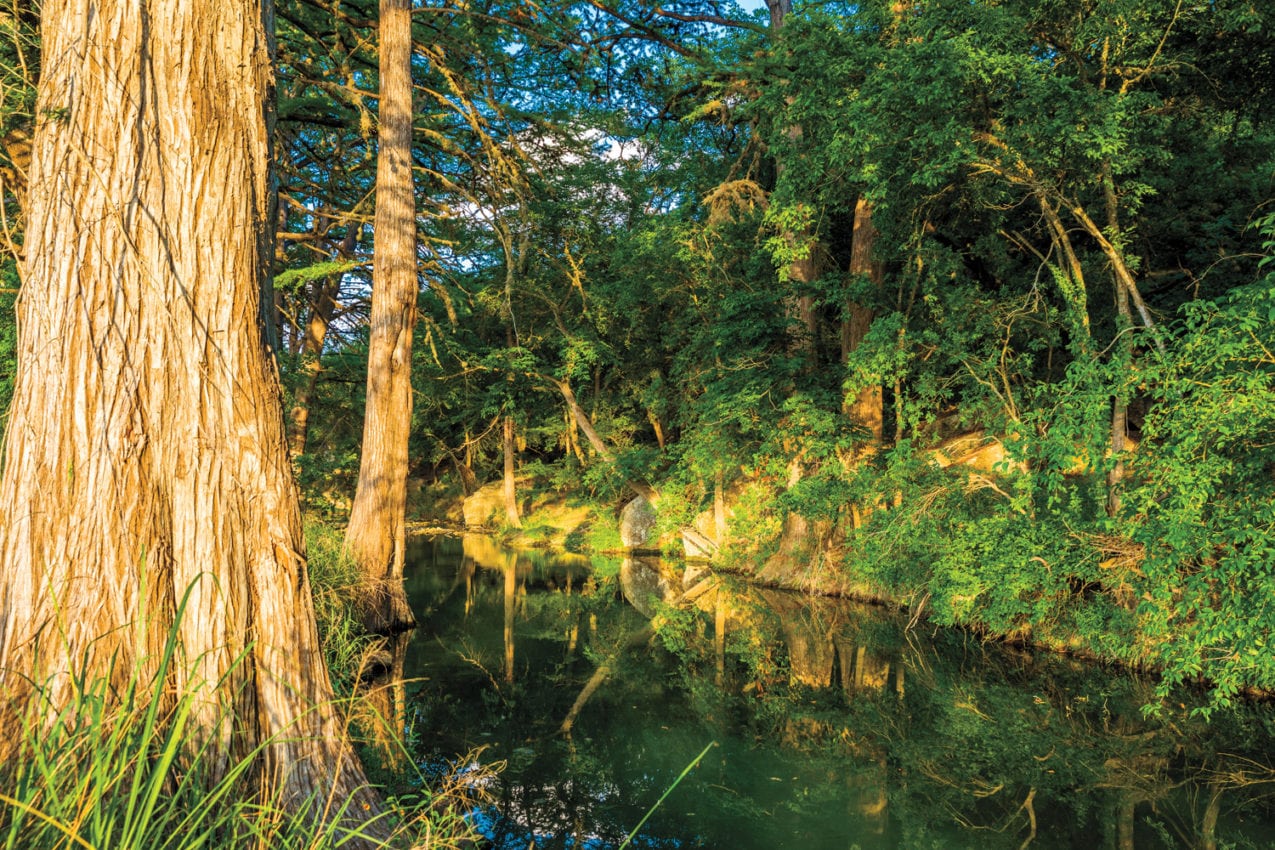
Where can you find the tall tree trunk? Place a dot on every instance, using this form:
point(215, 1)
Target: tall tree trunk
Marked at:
point(376, 535)
point(145, 457)
point(1124, 321)
point(866, 408)
point(316, 334)
point(510, 480)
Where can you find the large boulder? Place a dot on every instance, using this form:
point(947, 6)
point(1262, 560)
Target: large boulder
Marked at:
point(482, 509)
point(637, 524)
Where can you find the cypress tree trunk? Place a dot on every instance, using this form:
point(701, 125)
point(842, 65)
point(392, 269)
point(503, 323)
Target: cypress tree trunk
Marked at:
point(145, 456)
point(316, 334)
point(510, 484)
point(866, 408)
point(376, 535)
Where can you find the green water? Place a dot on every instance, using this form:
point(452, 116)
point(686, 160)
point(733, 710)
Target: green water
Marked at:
point(835, 725)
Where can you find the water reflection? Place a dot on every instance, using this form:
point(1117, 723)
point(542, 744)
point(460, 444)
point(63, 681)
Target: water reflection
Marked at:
point(647, 582)
point(837, 727)
point(382, 705)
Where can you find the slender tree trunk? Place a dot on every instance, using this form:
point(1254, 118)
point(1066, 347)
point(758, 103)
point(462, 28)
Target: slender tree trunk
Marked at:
point(1124, 276)
point(1126, 812)
point(145, 457)
point(571, 438)
point(1072, 281)
point(322, 309)
point(316, 334)
point(376, 535)
point(1119, 406)
point(1208, 824)
point(657, 427)
point(582, 419)
point(510, 481)
point(583, 422)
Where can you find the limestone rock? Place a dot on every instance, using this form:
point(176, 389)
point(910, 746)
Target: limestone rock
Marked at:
point(483, 508)
point(637, 522)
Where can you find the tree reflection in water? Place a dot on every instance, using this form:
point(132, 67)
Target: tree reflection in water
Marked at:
point(838, 727)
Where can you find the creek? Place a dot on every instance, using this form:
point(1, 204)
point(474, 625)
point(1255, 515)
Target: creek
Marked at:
point(835, 724)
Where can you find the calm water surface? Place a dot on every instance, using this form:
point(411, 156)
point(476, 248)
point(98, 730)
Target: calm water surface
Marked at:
point(834, 725)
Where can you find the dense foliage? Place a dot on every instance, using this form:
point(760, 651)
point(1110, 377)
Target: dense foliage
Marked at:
point(1071, 209)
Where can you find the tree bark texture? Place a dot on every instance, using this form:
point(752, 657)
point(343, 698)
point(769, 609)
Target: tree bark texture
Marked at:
point(510, 484)
point(316, 333)
point(866, 408)
point(376, 536)
point(145, 457)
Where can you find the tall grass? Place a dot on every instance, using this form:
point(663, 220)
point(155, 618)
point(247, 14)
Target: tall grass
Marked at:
point(335, 583)
point(112, 772)
point(129, 768)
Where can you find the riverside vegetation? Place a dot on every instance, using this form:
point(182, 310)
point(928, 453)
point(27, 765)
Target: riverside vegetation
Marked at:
point(774, 270)
point(767, 269)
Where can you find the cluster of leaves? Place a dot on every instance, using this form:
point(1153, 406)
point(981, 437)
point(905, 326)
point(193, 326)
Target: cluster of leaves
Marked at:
point(615, 199)
point(1205, 514)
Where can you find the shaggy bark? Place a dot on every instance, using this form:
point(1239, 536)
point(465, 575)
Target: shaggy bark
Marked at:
point(510, 481)
point(145, 456)
point(866, 408)
point(376, 535)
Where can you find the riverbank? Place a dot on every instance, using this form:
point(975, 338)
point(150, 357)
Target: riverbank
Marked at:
point(942, 550)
